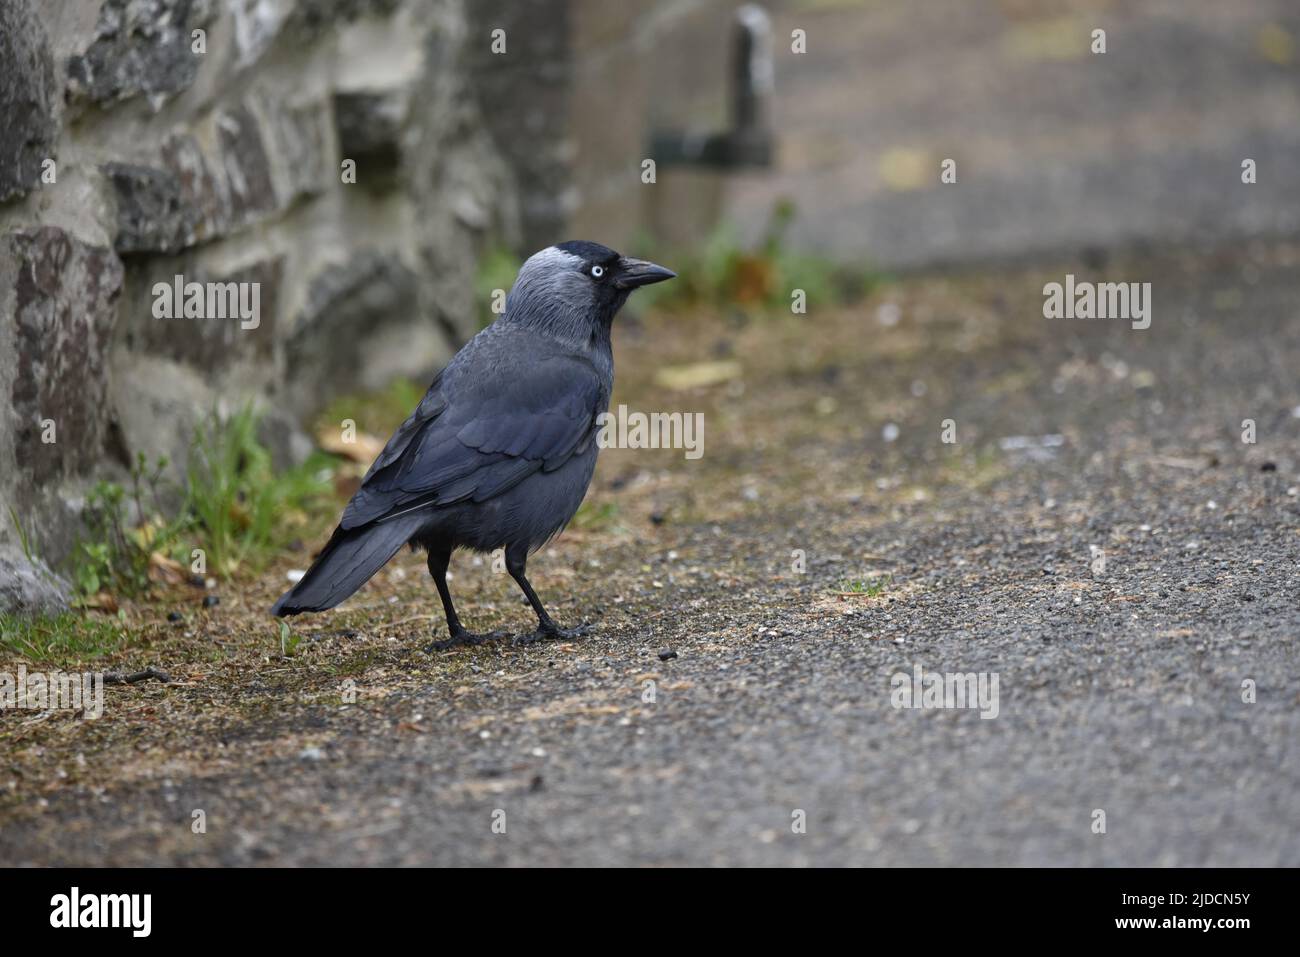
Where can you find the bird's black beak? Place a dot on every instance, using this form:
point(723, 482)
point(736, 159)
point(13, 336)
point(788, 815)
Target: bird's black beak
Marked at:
point(631, 273)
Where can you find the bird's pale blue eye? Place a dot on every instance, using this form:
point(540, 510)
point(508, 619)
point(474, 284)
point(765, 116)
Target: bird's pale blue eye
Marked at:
point(597, 272)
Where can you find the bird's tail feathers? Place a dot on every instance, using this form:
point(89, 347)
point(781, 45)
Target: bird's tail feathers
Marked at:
point(348, 561)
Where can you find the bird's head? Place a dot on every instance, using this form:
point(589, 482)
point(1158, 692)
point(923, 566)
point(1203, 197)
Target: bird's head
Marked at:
point(575, 288)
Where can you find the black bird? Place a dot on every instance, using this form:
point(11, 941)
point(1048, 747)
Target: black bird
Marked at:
point(501, 449)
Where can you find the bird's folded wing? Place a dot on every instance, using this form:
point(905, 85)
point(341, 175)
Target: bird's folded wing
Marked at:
point(482, 441)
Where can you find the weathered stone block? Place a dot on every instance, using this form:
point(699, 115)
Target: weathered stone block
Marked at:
point(157, 403)
point(208, 342)
point(267, 158)
point(153, 214)
point(65, 306)
point(27, 587)
point(28, 127)
point(311, 17)
point(140, 46)
point(246, 166)
point(342, 343)
point(301, 162)
point(203, 197)
point(257, 23)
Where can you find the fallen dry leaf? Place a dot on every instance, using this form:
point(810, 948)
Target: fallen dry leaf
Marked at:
point(104, 601)
point(364, 447)
point(697, 375)
point(165, 570)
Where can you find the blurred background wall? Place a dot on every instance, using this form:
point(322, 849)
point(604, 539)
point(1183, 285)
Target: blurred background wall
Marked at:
point(1058, 150)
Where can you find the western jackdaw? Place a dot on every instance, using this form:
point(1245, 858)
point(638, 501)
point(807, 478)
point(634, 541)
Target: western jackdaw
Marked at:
point(500, 450)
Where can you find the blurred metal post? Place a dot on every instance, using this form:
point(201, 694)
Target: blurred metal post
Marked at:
point(749, 141)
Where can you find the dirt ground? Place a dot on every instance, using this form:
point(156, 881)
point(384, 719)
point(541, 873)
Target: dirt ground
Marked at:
point(827, 539)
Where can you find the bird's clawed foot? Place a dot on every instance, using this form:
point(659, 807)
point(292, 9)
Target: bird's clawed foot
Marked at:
point(554, 633)
point(463, 637)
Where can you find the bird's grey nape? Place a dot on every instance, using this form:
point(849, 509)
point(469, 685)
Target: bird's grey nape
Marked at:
point(552, 295)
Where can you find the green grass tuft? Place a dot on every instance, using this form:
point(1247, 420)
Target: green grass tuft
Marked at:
point(496, 271)
point(238, 504)
point(723, 272)
point(60, 639)
point(235, 507)
point(111, 555)
point(378, 413)
point(597, 517)
point(865, 587)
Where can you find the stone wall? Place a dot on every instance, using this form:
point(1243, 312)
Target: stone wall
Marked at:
point(133, 150)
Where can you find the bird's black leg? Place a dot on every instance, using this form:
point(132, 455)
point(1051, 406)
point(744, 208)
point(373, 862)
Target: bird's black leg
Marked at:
point(516, 560)
point(439, 559)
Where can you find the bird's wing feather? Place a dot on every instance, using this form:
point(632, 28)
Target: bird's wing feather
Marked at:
point(430, 407)
point(482, 440)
